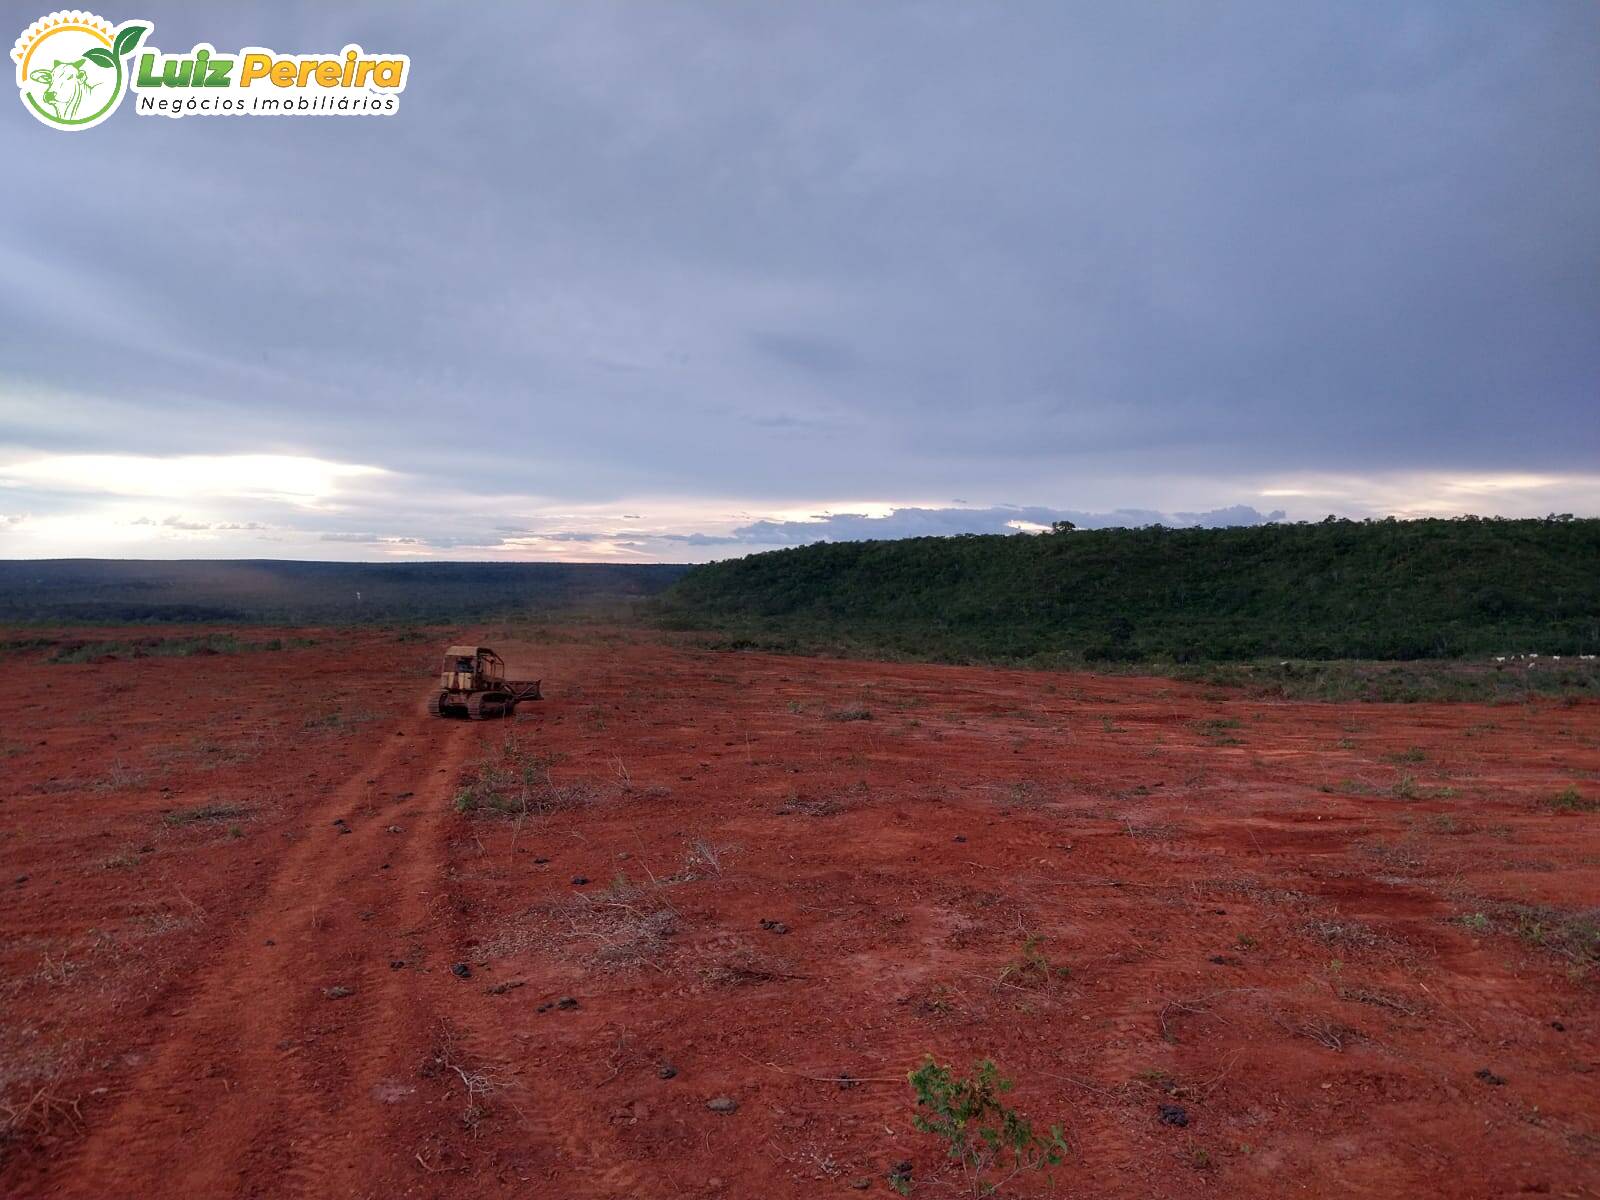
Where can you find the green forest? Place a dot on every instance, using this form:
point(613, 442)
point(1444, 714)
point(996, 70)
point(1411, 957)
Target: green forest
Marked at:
point(1338, 589)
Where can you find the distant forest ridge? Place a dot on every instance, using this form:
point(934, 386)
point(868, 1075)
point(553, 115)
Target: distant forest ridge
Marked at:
point(269, 590)
point(1383, 589)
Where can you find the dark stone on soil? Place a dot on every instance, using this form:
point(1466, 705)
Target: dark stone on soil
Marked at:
point(545, 1007)
point(861, 1183)
point(1558, 1026)
point(1224, 960)
point(722, 1104)
point(579, 880)
point(774, 926)
point(900, 1175)
point(397, 964)
point(960, 837)
point(567, 1003)
point(461, 971)
point(1174, 1114)
point(1489, 1077)
point(338, 992)
point(539, 862)
point(667, 1071)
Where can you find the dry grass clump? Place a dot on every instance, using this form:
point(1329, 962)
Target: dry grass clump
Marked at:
point(448, 1061)
point(627, 925)
point(513, 781)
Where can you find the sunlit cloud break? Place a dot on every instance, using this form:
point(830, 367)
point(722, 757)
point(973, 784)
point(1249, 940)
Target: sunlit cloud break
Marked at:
point(292, 479)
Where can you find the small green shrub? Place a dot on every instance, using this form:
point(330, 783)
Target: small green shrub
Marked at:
point(1031, 967)
point(992, 1143)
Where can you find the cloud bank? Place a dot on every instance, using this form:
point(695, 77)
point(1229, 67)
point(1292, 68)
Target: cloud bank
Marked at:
point(717, 269)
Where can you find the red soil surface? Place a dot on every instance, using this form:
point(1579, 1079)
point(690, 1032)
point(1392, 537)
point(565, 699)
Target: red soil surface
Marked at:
point(1310, 926)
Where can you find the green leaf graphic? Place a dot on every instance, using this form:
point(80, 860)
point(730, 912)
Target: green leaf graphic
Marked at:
point(100, 56)
point(128, 39)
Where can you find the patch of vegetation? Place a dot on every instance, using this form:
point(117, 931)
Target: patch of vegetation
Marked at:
point(178, 818)
point(102, 592)
point(851, 712)
point(1031, 968)
point(514, 781)
point(1570, 801)
point(1574, 936)
point(339, 718)
point(1432, 682)
point(990, 1142)
point(1380, 590)
point(1215, 730)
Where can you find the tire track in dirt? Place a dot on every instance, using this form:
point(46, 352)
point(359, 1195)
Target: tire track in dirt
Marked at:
point(263, 1078)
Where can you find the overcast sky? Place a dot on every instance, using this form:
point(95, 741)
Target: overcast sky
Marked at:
point(681, 280)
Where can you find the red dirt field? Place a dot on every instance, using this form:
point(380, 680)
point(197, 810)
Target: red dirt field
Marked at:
point(1354, 944)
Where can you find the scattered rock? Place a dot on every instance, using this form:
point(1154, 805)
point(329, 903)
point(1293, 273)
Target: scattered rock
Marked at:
point(393, 829)
point(861, 1183)
point(722, 1104)
point(1224, 960)
point(900, 1176)
point(539, 862)
point(774, 926)
point(338, 992)
point(500, 989)
point(545, 1007)
point(960, 837)
point(1174, 1114)
point(567, 1003)
point(397, 964)
point(1489, 1077)
point(461, 971)
point(666, 1071)
point(579, 880)
point(1558, 1026)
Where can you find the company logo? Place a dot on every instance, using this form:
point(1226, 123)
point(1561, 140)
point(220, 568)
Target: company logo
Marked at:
point(73, 69)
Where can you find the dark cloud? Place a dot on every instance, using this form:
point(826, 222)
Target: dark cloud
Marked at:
point(1137, 259)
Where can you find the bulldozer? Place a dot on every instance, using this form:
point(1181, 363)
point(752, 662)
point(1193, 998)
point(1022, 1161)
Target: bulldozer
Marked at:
point(473, 684)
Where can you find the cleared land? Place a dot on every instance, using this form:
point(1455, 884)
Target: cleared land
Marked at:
point(258, 940)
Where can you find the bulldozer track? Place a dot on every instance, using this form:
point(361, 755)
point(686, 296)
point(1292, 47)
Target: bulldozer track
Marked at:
point(289, 1065)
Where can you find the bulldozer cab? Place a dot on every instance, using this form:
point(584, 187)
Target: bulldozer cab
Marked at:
point(472, 668)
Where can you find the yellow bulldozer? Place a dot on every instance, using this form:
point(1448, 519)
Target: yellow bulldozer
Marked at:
point(473, 684)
